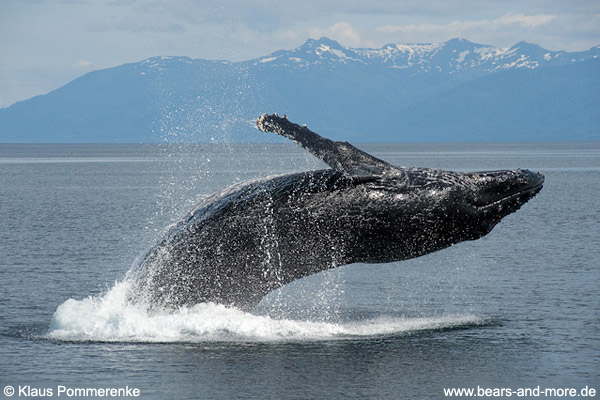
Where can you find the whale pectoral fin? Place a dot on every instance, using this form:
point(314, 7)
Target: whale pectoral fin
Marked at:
point(341, 156)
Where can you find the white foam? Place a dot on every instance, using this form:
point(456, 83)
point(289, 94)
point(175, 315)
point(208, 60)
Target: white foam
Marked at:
point(111, 318)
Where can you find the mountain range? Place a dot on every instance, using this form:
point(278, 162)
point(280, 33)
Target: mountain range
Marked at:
point(451, 91)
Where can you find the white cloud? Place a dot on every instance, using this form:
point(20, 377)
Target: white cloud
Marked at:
point(84, 64)
point(525, 21)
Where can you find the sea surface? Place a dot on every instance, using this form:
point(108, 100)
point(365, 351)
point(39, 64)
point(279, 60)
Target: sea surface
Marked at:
point(519, 308)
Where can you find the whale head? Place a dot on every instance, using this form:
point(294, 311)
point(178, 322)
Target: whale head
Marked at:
point(489, 196)
point(495, 194)
point(422, 210)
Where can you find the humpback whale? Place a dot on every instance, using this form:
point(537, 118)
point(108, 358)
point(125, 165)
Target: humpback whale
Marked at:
point(251, 238)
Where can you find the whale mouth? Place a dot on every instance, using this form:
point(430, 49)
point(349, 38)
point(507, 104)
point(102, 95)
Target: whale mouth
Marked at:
point(516, 199)
point(497, 189)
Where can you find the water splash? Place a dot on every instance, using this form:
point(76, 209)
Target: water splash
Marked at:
point(111, 318)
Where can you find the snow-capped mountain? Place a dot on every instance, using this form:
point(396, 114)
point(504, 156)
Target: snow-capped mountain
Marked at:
point(451, 91)
point(449, 57)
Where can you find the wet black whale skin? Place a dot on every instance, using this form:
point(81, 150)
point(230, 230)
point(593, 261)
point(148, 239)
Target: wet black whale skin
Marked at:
point(254, 237)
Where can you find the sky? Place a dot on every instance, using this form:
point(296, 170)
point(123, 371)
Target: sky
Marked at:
point(47, 43)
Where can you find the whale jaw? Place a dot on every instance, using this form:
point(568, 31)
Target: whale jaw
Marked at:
point(501, 187)
point(495, 194)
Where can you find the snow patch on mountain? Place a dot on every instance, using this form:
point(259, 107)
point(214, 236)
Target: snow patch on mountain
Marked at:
point(453, 56)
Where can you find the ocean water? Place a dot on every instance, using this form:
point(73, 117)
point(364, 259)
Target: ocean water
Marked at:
point(517, 308)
